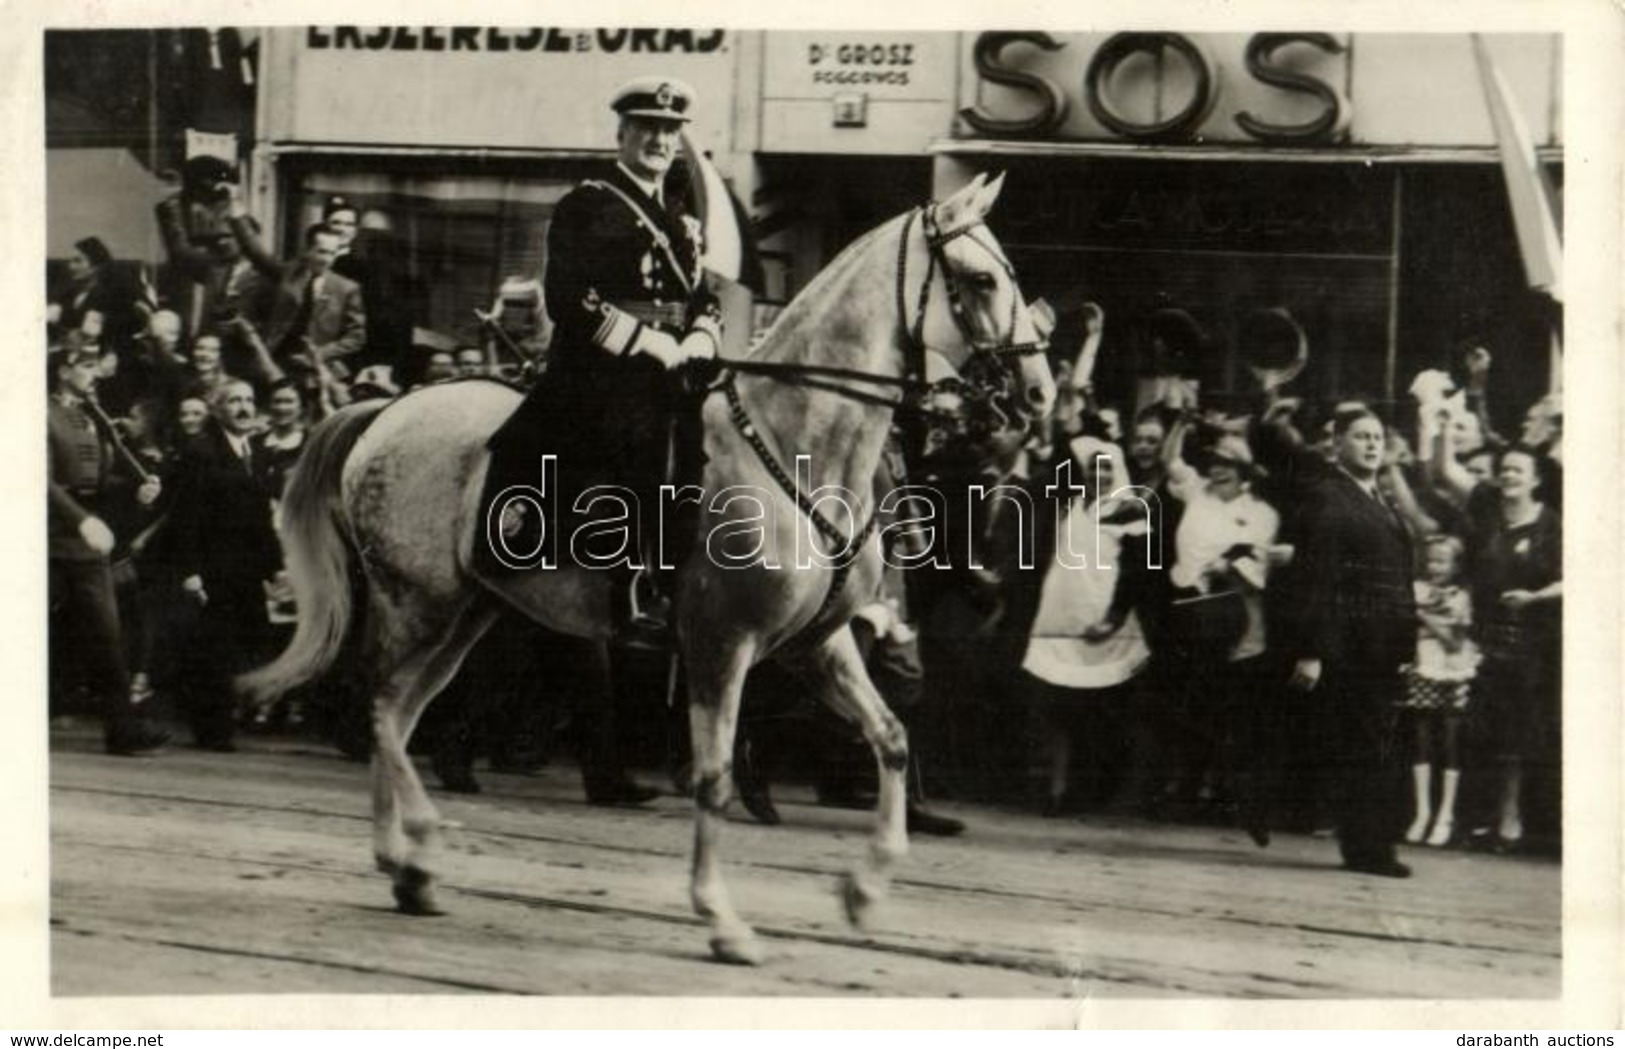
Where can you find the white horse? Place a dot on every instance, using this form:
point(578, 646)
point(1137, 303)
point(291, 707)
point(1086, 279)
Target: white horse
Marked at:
point(381, 514)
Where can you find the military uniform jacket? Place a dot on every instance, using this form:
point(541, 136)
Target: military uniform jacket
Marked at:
point(79, 460)
point(612, 252)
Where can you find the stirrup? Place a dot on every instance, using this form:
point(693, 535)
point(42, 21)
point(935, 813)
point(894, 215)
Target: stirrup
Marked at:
point(647, 623)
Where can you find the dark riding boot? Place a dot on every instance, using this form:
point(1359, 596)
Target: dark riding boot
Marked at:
point(920, 819)
point(603, 775)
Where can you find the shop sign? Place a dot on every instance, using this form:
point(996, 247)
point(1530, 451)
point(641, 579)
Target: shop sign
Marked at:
point(879, 65)
point(856, 91)
point(493, 41)
point(1165, 87)
point(487, 87)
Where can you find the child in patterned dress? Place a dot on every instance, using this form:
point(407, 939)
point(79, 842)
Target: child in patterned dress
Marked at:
point(1439, 683)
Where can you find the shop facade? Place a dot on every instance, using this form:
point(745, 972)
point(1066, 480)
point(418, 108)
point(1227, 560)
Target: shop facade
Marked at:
point(459, 141)
point(1347, 181)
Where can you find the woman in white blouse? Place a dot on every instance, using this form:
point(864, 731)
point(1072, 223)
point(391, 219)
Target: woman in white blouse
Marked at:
point(1223, 551)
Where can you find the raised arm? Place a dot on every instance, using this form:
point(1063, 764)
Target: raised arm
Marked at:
point(1181, 475)
point(263, 368)
point(249, 240)
point(1449, 477)
point(1398, 486)
point(190, 258)
point(1477, 394)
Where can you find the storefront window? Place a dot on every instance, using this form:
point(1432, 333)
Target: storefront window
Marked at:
point(1222, 264)
point(459, 235)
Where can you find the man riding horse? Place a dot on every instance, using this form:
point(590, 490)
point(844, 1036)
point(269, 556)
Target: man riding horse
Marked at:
point(624, 290)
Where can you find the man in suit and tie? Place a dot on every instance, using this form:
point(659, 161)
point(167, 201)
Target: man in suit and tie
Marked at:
point(222, 533)
point(1359, 628)
point(317, 316)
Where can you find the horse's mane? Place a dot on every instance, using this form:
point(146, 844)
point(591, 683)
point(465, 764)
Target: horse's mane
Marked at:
point(801, 305)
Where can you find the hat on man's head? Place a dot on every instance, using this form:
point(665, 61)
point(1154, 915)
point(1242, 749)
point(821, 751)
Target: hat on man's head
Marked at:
point(663, 98)
point(94, 251)
point(335, 204)
point(72, 349)
point(377, 380)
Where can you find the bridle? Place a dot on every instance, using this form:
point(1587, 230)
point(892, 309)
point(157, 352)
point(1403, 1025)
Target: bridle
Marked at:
point(936, 240)
point(914, 391)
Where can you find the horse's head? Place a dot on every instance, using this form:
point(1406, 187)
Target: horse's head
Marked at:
point(985, 314)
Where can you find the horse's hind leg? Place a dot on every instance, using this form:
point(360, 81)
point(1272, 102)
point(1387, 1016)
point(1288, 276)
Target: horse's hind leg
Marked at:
point(406, 823)
point(716, 677)
point(842, 682)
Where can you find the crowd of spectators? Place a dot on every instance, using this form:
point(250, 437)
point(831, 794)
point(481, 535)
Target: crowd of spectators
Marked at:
point(1176, 679)
point(178, 408)
point(1196, 690)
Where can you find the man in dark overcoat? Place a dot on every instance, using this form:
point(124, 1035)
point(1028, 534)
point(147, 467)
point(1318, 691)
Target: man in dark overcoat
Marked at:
point(222, 534)
point(1358, 629)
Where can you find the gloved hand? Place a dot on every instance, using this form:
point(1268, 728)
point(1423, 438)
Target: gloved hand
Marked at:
point(660, 346)
point(671, 353)
point(192, 586)
point(698, 344)
point(96, 535)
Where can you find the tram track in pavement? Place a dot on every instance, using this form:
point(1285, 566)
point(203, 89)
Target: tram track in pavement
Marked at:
point(1010, 960)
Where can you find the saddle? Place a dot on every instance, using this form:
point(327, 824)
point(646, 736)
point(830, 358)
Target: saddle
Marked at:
point(550, 446)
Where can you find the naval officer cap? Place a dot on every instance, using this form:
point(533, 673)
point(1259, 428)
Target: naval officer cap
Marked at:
point(662, 98)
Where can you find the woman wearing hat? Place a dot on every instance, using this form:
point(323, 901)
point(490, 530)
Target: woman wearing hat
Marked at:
point(1222, 556)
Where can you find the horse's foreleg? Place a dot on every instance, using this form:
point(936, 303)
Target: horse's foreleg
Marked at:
point(414, 840)
point(843, 682)
point(715, 684)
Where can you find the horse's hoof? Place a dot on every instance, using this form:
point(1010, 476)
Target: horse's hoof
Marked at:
point(414, 892)
point(737, 949)
point(857, 901)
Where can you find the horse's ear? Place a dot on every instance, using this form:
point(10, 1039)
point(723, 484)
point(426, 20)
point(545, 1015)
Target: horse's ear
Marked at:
point(989, 194)
point(963, 200)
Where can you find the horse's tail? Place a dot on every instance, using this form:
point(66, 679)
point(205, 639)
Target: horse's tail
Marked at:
point(319, 556)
